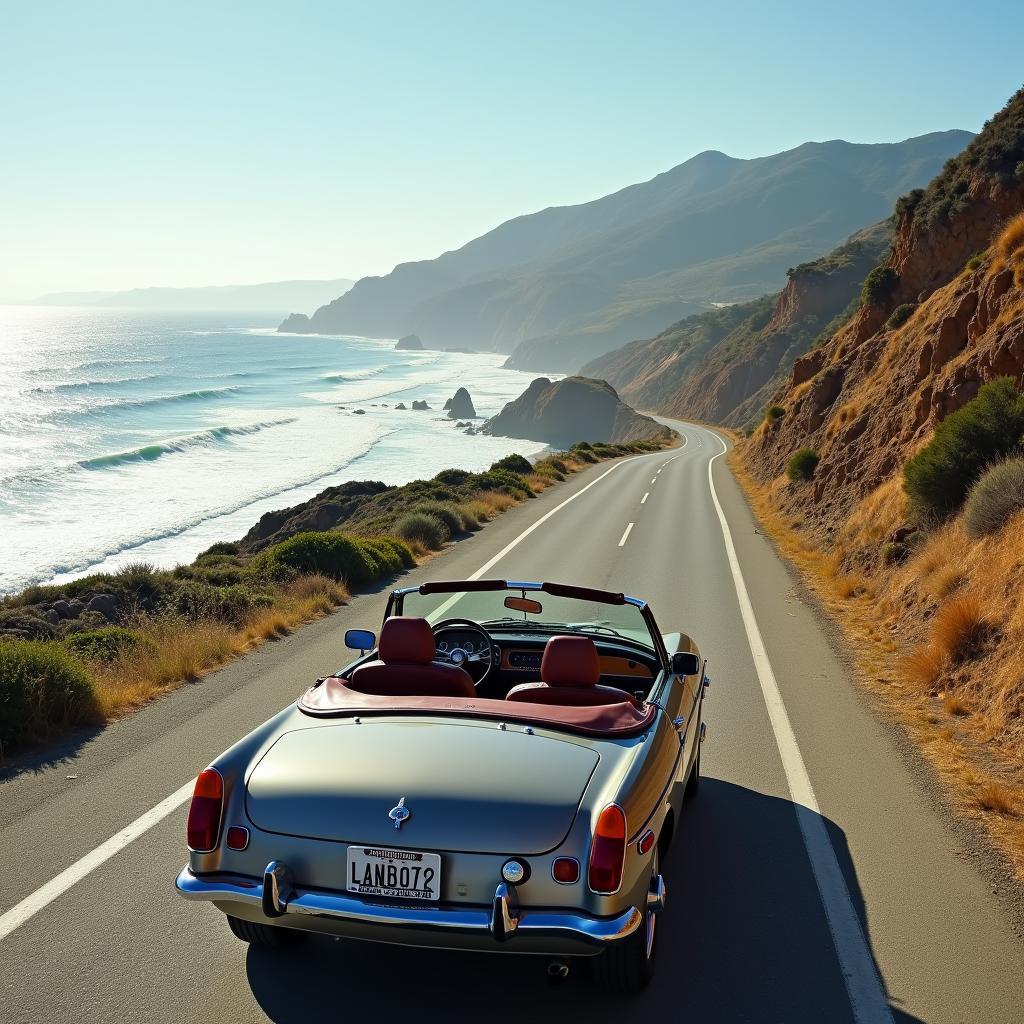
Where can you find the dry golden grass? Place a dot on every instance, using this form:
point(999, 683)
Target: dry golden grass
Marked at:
point(954, 705)
point(478, 510)
point(960, 627)
point(923, 665)
point(496, 502)
point(538, 482)
point(1011, 239)
point(992, 796)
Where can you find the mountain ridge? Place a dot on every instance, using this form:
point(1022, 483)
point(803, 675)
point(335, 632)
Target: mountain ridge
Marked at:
point(576, 280)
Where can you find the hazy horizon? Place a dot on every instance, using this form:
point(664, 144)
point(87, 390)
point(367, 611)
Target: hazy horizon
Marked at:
point(200, 150)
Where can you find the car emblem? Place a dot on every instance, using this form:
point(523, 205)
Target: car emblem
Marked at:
point(399, 814)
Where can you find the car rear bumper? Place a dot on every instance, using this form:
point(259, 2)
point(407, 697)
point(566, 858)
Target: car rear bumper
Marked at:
point(500, 928)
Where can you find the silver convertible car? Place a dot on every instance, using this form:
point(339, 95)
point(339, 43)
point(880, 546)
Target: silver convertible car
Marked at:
point(503, 770)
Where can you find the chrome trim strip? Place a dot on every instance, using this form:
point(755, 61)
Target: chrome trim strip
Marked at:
point(594, 931)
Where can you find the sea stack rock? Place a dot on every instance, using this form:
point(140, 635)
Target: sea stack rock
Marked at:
point(410, 343)
point(297, 323)
point(573, 409)
point(420, 406)
point(461, 407)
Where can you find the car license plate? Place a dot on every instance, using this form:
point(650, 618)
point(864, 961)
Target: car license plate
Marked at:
point(378, 871)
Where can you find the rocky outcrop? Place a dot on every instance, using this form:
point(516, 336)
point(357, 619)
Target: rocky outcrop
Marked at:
point(460, 406)
point(723, 365)
point(570, 410)
point(409, 343)
point(872, 395)
point(420, 406)
point(297, 323)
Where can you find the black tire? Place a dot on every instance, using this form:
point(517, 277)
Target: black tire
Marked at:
point(693, 782)
point(628, 965)
point(263, 934)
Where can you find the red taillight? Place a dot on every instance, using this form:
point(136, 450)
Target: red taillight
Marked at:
point(566, 870)
point(608, 850)
point(237, 838)
point(646, 842)
point(205, 811)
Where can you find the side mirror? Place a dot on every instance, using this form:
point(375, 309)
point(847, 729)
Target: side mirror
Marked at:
point(361, 640)
point(685, 663)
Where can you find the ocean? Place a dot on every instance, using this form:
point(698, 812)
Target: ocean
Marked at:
point(130, 436)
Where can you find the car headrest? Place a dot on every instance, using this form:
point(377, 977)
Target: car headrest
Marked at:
point(405, 638)
point(570, 661)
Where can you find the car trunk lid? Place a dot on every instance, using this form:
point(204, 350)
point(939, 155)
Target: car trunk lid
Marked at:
point(474, 787)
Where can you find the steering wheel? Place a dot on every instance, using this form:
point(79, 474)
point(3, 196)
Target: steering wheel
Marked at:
point(482, 658)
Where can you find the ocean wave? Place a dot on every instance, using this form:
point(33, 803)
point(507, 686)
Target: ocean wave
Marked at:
point(345, 376)
point(200, 395)
point(79, 385)
point(203, 439)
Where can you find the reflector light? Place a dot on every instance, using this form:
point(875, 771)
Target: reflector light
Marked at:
point(608, 851)
point(646, 842)
point(237, 838)
point(566, 870)
point(204, 813)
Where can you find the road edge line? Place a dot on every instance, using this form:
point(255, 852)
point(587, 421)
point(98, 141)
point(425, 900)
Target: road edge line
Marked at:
point(864, 985)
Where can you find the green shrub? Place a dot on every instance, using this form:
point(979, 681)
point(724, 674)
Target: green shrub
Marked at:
point(556, 463)
point(196, 601)
point(427, 530)
point(774, 412)
point(515, 463)
point(976, 262)
point(105, 644)
point(581, 446)
point(547, 470)
point(390, 554)
point(453, 477)
point(995, 498)
point(584, 454)
point(895, 554)
point(448, 514)
point(42, 688)
point(901, 314)
point(222, 547)
point(988, 428)
point(879, 285)
point(334, 554)
point(26, 623)
point(802, 464)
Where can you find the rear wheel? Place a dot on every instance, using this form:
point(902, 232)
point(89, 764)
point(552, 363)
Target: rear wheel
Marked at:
point(628, 965)
point(257, 934)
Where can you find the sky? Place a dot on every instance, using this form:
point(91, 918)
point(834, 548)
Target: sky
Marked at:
point(179, 143)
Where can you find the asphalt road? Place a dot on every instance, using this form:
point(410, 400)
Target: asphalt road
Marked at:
point(745, 937)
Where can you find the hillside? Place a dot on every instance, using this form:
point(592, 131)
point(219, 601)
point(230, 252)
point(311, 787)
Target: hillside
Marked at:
point(931, 598)
point(565, 411)
point(722, 366)
point(569, 283)
point(273, 296)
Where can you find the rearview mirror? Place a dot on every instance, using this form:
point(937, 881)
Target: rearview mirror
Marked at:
point(524, 604)
point(361, 640)
point(685, 663)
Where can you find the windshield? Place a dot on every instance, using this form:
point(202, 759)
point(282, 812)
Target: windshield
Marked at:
point(532, 610)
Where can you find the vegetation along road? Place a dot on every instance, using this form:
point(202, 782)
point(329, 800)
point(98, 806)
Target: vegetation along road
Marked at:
point(815, 878)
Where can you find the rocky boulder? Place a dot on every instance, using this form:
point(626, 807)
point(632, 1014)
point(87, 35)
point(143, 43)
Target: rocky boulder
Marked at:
point(420, 406)
point(409, 343)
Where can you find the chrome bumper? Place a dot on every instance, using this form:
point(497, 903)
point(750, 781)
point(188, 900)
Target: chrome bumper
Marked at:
point(276, 902)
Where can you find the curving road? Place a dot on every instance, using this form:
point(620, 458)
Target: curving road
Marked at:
point(814, 879)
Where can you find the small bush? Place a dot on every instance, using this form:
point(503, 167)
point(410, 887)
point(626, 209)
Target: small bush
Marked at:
point(879, 285)
point(418, 527)
point(556, 463)
point(315, 584)
point(42, 688)
point(895, 554)
point(802, 464)
point(995, 498)
point(774, 412)
point(976, 262)
point(515, 463)
point(987, 428)
point(333, 554)
point(584, 455)
point(453, 477)
point(581, 446)
point(448, 514)
point(103, 645)
point(196, 601)
point(901, 314)
point(960, 629)
point(25, 624)
point(222, 547)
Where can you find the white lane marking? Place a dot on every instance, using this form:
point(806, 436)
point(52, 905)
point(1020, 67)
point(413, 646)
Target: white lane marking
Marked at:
point(46, 894)
point(645, 497)
point(625, 535)
point(864, 985)
point(654, 479)
point(455, 598)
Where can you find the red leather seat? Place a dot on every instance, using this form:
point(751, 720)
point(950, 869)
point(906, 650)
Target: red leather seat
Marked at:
point(406, 665)
point(570, 673)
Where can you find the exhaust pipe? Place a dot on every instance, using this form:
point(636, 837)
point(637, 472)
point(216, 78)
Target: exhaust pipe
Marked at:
point(558, 971)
